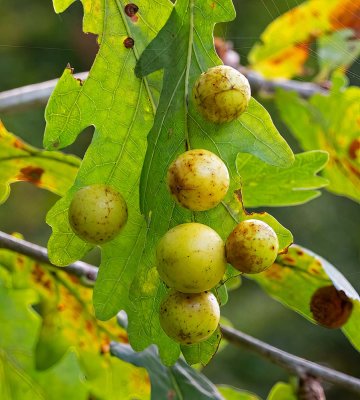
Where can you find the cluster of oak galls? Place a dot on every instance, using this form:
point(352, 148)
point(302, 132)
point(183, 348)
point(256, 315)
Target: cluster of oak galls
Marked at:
point(191, 258)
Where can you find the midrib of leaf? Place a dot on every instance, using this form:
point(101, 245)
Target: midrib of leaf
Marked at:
point(39, 155)
point(157, 140)
point(187, 72)
point(136, 53)
point(126, 138)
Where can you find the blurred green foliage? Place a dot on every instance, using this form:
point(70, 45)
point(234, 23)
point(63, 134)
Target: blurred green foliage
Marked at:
point(36, 44)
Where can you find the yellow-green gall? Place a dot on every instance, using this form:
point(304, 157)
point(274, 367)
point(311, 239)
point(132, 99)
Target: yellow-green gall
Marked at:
point(222, 94)
point(97, 213)
point(191, 258)
point(198, 180)
point(189, 318)
point(252, 246)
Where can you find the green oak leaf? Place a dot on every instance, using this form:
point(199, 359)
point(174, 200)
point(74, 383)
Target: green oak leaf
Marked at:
point(19, 161)
point(231, 393)
point(282, 391)
point(184, 48)
point(202, 352)
point(121, 108)
point(177, 382)
point(117, 151)
point(294, 278)
point(329, 123)
point(267, 185)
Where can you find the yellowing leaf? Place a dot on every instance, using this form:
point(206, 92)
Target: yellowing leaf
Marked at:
point(19, 161)
point(284, 43)
point(294, 278)
point(67, 323)
point(330, 123)
point(266, 185)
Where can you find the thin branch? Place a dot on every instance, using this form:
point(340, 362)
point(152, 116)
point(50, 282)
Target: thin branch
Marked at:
point(31, 96)
point(79, 268)
point(291, 363)
point(259, 84)
point(36, 95)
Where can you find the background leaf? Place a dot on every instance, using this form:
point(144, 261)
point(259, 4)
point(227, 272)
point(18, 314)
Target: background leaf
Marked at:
point(266, 185)
point(231, 393)
point(66, 323)
point(282, 391)
point(285, 43)
point(295, 277)
point(329, 123)
point(19, 161)
point(336, 50)
point(18, 377)
point(177, 382)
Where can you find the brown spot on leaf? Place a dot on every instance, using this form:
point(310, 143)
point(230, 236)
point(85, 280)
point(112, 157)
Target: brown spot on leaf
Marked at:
point(315, 13)
point(37, 273)
point(18, 144)
point(74, 278)
point(354, 149)
point(30, 174)
point(129, 43)
point(289, 260)
point(47, 284)
point(105, 346)
point(314, 270)
point(89, 326)
point(330, 307)
point(20, 261)
point(275, 272)
point(131, 9)
point(123, 337)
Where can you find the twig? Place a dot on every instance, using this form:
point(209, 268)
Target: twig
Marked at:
point(30, 96)
point(292, 363)
point(259, 84)
point(79, 268)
